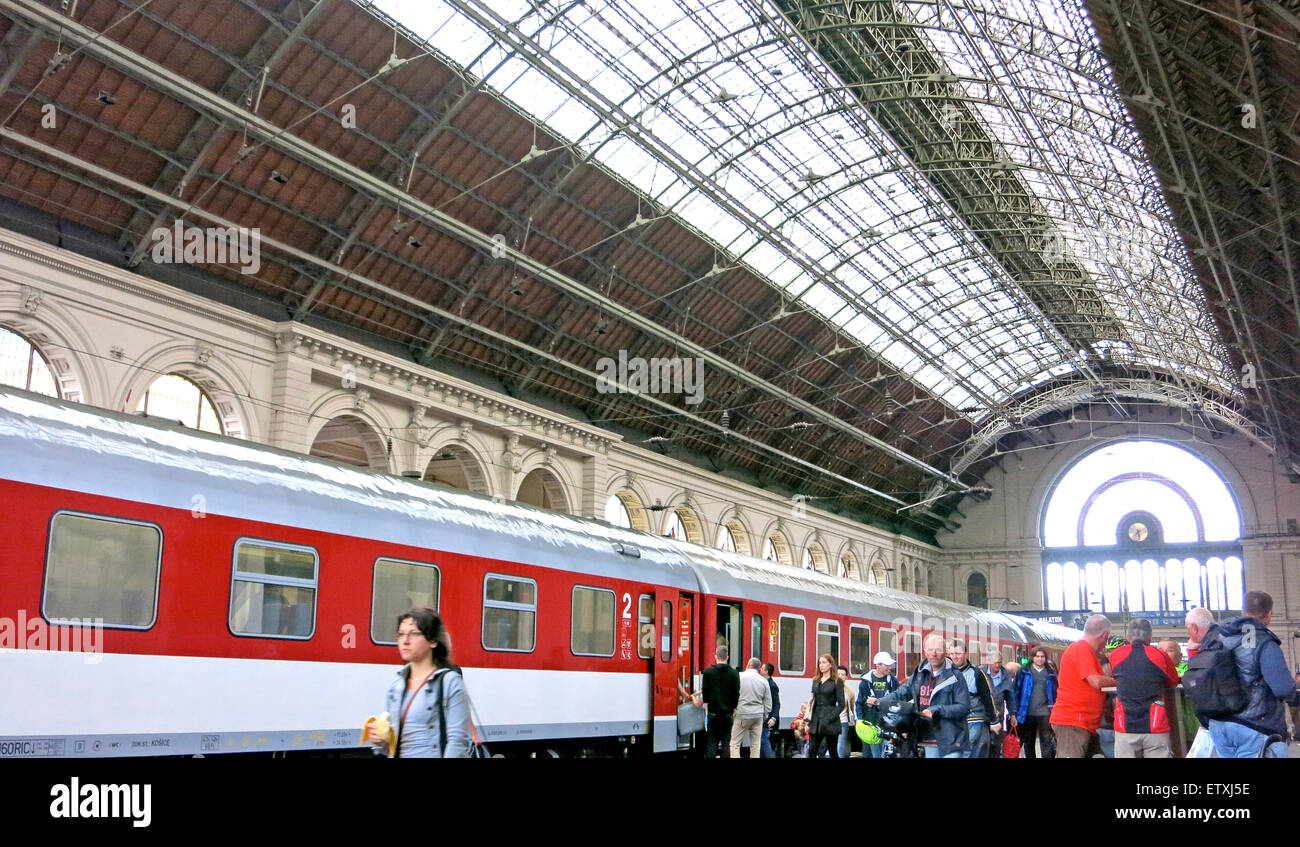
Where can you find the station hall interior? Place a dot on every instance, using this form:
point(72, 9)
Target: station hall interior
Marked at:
point(993, 301)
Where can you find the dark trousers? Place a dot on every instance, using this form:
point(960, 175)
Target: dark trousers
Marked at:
point(1040, 728)
point(827, 743)
point(765, 747)
point(719, 735)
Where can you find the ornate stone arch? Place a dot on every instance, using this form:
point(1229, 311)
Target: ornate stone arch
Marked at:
point(848, 564)
point(466, 461)
point(336, 405)
point(204, 366)
point(878, 572)
point(681, 506)
point(61, 340)
point(633, 497)
point(735, 522)
point(552, 477)
point(815, 550)
point(778, 533)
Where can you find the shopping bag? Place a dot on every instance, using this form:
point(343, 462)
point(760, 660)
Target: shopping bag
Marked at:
point(690, 719)
point(1010, 746)
point(1202, 745)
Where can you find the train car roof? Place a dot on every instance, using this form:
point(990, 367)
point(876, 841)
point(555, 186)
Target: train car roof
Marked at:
point(80, 448)
point(44, 441)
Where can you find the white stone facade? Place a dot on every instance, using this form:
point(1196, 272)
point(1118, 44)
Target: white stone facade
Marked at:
point(109, 333)
point(1000, 537)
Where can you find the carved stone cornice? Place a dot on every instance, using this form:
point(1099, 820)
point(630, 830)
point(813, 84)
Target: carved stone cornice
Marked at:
point(441, 394)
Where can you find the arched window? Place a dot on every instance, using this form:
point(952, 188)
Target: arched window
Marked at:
point(777, 549)
point(814, 558)
point(683, 526)
point(176, 398)
point(1156, 507)
point(977, 591)
point(732, 536)
point(624, 509)
point(23, 366)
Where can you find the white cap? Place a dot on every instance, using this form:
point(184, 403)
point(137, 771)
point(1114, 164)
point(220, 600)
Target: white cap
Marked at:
point(882, 658)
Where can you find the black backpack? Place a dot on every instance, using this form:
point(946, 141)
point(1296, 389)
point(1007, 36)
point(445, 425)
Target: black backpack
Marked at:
point(1213, 683)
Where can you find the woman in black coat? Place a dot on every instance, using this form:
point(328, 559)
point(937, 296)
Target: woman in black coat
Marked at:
point(827, 704)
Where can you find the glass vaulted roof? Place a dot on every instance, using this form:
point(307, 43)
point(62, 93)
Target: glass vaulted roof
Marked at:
point(724, 114)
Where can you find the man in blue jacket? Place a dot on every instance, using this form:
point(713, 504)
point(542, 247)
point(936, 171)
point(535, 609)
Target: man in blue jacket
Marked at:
point(1035, 697)
point(942, 700)
point(1265, 676)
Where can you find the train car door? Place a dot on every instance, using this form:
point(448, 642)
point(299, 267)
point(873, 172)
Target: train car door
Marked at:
point(729, 624)
point(674, 665)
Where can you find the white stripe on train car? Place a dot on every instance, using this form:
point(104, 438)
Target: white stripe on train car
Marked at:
point(49, 693)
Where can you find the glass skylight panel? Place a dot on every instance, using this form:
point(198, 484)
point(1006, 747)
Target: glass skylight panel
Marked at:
point(770, 127)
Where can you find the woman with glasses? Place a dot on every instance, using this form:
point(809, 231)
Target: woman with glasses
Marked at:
point(427, 701)
point(1036, 694)
point(827, 704)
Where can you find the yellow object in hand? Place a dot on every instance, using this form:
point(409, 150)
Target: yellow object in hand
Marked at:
point(382, 727)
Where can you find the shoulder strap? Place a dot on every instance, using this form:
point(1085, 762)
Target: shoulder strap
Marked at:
point(442, 720)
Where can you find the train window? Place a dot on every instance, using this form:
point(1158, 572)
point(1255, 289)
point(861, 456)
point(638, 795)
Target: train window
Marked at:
point(828, 638)
point(859, 650)
point(591, 622)
point(911, 652)
point(509, 613)
point(400, 585)
point(102, 567)
point(1009, 654)
point(665, 632)
point(645, 619)
point(756, 636)
point(973, 655)
point(273, 590)
point(792, 656)
point(889, 644)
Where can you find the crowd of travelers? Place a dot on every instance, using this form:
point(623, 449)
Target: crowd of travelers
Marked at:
point(1114, 703)
point(1118, 702)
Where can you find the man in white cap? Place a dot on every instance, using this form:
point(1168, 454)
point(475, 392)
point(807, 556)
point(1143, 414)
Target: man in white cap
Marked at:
point(875, 685)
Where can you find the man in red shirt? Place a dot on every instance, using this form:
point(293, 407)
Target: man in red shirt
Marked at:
point(1076, 716)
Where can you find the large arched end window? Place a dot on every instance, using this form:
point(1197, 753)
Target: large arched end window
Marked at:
point(1141, 526)
point(977, 591)
point(177, 399)
point(23, 366)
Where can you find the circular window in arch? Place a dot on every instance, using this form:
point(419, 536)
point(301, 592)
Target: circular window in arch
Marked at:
point(23, 366)
point(176, 398)
point(1140, 488)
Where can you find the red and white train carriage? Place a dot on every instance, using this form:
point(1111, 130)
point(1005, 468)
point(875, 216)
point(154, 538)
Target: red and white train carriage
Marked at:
point(249, 598)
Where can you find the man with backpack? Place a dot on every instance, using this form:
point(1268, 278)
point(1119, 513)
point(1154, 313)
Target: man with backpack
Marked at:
point(1239, 682)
